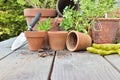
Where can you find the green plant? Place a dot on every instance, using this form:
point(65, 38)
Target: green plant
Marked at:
point(39, 3)
point(11, 25)
point(96, 8)
point(67, 22)
point(81, 19)
point(73, 20)
point(44, 25)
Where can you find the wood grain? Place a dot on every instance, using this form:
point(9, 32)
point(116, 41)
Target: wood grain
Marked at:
point(25, 65)
point(4, 52)
point(114, 60)
point(7, 43)
point(5, 47)
point(82, 66)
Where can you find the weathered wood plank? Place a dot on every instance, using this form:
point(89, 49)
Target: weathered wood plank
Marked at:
point(4, 52)
point(7, 43)
point(5, 47)
point(25, 65)
point(83, 66)
point(114, 60)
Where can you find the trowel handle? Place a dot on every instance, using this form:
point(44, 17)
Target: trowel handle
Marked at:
point(35, 19)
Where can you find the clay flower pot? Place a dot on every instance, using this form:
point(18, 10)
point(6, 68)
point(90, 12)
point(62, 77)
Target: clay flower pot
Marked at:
point(105, 30)
point(57, 39)
point(77, 41)
point(44, 11)
point(29, 14)
point(35, 39)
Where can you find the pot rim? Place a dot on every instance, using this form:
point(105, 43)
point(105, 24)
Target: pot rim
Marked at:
point(29, 9)
point(57, 32)
point(75, 32)
point(35, 33)
point(28, 12)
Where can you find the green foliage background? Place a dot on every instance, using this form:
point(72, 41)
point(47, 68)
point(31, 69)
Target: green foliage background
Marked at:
point(12, 21)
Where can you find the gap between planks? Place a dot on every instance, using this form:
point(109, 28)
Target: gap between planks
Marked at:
point(9, 53)
point(53, 61)
point(111, 64)
point(52, 66)
point(105, 68)
point(18, 67)
point(6, 55)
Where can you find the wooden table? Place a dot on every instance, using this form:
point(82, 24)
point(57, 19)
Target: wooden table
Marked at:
point(23, 64)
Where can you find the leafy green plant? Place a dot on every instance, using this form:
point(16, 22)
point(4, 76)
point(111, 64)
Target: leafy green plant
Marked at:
point(11, 25)
point(81, 19)
point(96, 8)
point(67, 22)
point(73, 20)
point(44, 25)
point(39, 3)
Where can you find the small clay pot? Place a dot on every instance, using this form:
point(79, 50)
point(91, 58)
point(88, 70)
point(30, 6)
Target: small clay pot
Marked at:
point(61, 4)
point(54, 27)
point(78, 41)
point(57, 39)
point(35, 39)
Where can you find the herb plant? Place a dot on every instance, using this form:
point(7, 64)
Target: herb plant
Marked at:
point(44, 25)
point(96, 8)
point(73, 20)
point(67, 22)
point(81, 19)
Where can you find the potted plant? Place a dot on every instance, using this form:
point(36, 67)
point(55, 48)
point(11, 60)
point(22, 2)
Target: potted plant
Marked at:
point(36, 38)
point(61, 4)
point(104, 29)
point(92, 16)
point(89, 14)
point(57, 39)
point(75, 24)
point(45, 7)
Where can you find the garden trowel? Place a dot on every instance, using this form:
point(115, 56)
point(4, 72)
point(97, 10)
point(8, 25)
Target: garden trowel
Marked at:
point(21, 39)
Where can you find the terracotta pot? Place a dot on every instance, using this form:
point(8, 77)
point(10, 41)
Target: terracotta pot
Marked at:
point(30, 13)
point(45, 12)
point(35, 39)
point(54, 27)
point(78, 41)
point(57, 39)
point(61, 4)
point(118, 32)
point(104, 30)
